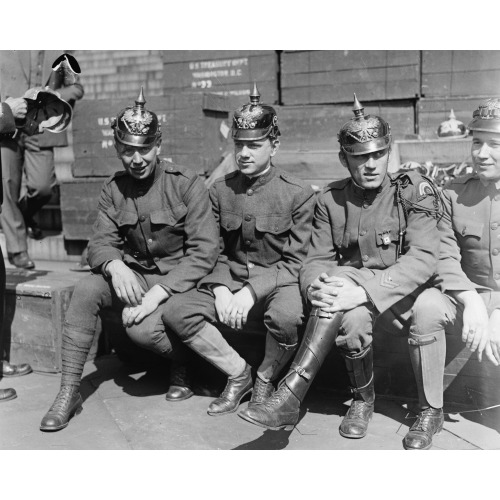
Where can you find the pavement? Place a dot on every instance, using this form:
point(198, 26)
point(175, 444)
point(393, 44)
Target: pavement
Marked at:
point(125, 408)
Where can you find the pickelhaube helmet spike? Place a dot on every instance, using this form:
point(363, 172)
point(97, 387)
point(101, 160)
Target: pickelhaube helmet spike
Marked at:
point(135, 125)
point(255, 96)
point(364, 134)
point(255, 121)
point(357, 109)
point(486, 118)
point(451, 128)
point(140, 101)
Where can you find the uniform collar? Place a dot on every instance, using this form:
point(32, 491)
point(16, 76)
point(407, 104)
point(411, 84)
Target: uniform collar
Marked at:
point(371, 193)
point(261, 179)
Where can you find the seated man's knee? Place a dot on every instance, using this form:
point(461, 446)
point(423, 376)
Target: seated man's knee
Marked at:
point(284, 325)
point(430, 311)
point(91, 287)
point(182, 317)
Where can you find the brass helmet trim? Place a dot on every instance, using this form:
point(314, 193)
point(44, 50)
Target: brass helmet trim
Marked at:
point(486, 118)
point(255, 121)
point(364, 134)
point(135, 125)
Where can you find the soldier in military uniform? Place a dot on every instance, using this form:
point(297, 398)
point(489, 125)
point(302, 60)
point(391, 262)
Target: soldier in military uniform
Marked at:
point(155, 237)
point(469, 270)
point(374, 248)
point(264, 215)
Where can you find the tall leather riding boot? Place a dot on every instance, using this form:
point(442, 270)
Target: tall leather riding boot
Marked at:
point(276, 356)
point(360, 370)
point(427, 354)
point(281, 410)
point(211, 345)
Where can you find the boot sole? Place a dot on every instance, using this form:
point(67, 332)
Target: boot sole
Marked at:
point(286, 427)
point(63, 426)
point(218, 414)
point(352, 436)
point(426, 447)
point(175, 400)
point(17, 374)
point(10, 398)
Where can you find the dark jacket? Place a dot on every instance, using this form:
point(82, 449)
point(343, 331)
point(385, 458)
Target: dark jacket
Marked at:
point(360, 228)
point(163, 224)
point(265, 225)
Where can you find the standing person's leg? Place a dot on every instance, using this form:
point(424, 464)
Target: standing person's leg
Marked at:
point(432, 313)
point(91, 294)
point(191, 316)
point(12, 152)
point(5, 394)
point(40, 182)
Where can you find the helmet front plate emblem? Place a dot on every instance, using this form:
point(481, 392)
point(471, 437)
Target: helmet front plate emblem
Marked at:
point(364, 130)
point(137, 123)
point(248, 117)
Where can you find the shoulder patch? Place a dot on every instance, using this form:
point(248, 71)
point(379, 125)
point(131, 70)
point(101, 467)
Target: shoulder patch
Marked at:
point(424, 190)
point(337, 184)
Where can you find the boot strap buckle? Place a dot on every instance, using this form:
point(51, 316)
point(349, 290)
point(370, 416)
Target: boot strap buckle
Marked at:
point(302, 372)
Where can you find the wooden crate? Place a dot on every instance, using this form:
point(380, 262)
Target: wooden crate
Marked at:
point(36, 304)
point(452, 73)
point(331, 76)
point(229, 72)
point(79, 200)
point(191, 132)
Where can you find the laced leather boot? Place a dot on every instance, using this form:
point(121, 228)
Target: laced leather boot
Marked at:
point(429, 422)
point(236, 389)
point(360, 370)
point(281, 410)
point(180, 383)
point(261, 391)
point(68, 402)
point(355, 423)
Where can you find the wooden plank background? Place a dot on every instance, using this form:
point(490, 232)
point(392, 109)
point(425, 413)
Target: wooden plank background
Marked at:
point(310, 77)
point(226, 72)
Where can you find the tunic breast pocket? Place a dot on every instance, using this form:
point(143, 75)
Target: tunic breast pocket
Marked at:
point(469, 235)
point(274, 224)
point(387, 238)
point(123, 219)
point(229, 221)
point(169, 216)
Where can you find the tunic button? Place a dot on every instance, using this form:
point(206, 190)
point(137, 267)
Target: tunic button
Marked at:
point(497, 276)
point(156, 259)
point(150, 241)
point(495, 251)
point(365, 205)
point(464, 230)
point(248, 217)
point(494, 226)
point(365, 258)
point(251, 265)
point(142, 218)
point(247, 242)
point(250, 192)
point(362, 232)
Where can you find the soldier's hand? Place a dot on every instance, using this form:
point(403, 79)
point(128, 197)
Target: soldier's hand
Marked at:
point(223, 297)
point(475, 322)
point(125, 283)
point(493, 353)
point(351, 297)
point(18, 106)
point(236, 313)
point(323, 290)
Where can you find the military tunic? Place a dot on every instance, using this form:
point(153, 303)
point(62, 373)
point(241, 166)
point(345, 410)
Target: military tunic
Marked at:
point(265, 225)
point(164, 230)
point(356, 235)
